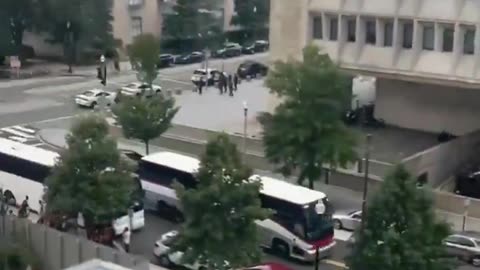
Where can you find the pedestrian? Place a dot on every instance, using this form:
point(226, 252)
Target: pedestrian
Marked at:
point(24, 208)
point(10, 212)
point(126, 239)
point(230, 85)
point(221, 83)
point(235, 81)
point(200, 85)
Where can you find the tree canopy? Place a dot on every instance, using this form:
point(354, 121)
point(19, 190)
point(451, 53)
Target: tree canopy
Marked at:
point(192, 19)
point(145, 119)
point(401, 230)
point(306, 129)
point(91, 177)
point(144, 55)
point(252, 14)
point(222, 210)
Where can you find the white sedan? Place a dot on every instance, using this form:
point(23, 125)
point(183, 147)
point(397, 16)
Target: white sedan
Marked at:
point(166, 257)
point(92, 98)
point(349, 220)
point(137, 88)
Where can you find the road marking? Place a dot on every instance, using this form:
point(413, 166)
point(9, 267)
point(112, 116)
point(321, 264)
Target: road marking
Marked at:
point(336, 263)
point(342, 235)
point(18, 139)
point(18, 133)
point(24, 129)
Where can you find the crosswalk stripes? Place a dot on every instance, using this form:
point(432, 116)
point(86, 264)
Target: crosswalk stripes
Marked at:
point(23, 134)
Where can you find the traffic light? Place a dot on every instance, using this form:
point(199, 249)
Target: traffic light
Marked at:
point(99, 73)
point(102, 74)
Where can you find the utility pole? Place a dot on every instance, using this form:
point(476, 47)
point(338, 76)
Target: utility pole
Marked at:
point(245, 119)
point(365, 178)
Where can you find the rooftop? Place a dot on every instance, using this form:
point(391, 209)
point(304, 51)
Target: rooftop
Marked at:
point(174, 161)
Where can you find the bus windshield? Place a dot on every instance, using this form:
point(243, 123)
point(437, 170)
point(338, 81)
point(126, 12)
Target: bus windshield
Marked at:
point(316, 226)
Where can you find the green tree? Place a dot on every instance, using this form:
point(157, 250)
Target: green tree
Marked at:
point(145, 119)
point(188, 22)
point(91, 177)
point(21, 15)
point(306, 129)
point(144, 55)
point(82, 26)
point(222, 210)
point(401, 230)
point(252, 15)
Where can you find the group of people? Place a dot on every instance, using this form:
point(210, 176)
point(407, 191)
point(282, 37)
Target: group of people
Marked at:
point(226, 82)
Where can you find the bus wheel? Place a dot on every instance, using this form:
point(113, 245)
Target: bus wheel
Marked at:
point(280, 248)
point(164, 261)
point(10, 198)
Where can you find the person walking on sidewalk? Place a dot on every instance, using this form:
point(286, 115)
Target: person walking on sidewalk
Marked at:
point(235, 81)
point(230, 85)
point(126, 239)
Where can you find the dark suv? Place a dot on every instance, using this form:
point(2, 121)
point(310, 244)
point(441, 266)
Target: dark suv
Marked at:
point(251, 69)
point(165, 60)
point(257, 46)
point(229, 50)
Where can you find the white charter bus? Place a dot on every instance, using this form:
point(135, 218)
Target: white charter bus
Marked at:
point(23, 170)
point(301, 223)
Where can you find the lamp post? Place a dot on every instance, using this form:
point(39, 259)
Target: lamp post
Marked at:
point(69, 41)
point(365, 178)
point(245, 116)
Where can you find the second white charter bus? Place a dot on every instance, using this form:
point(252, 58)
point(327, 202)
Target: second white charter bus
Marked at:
point(301, 223)
point(23, 170)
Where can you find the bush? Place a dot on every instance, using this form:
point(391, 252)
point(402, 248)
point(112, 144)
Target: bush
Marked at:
point(15, 257)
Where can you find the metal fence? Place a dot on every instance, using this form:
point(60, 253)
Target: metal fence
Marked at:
point(59, 250)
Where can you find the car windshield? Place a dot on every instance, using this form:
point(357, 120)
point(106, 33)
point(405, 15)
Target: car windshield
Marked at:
point(88, 93)
point(199, 72)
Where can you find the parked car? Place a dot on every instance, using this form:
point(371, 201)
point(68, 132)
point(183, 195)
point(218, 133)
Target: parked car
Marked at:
point(92, 98)
point(251, 69)
point(167, 258)
point(349, 220)
point(137, 88)
point(257, 46)
point(464, 246)
point(211, 75)
point(190, 58)
point(165, 60)
point(229, 50)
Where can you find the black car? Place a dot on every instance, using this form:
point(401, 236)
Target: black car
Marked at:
point(257, 46)
point(251, 69)
point(165, 60)
point(194, 57)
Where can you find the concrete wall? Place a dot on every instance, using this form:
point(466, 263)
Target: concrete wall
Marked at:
point(443, 161)
point(59, 250)
point(427, 107)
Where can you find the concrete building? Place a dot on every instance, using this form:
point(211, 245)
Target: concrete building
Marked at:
point(424, 53)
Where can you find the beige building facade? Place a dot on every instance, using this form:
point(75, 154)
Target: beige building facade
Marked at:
point(424, 53)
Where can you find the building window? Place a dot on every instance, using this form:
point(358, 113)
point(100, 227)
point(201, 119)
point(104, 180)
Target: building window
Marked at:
point(333, 28)
point(136, 26)
point(351, 29)
point(428, 37)
point(469, 41)
point(317, 27)
point(407, 35)
point(371, 32)
point(447, 39)
point(388, 35)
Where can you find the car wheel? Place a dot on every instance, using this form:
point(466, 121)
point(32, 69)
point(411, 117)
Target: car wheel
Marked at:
point(475, 261)
point(280, 248)
point(93, 105)
point(164, 261)
point(337, 224)
point(158, 92)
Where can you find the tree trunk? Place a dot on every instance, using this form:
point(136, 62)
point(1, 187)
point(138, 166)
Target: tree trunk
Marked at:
point(147, 147)
point(313, 177)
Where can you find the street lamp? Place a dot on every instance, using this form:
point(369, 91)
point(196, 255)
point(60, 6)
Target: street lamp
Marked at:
point(245, 115)
point(365, 178)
